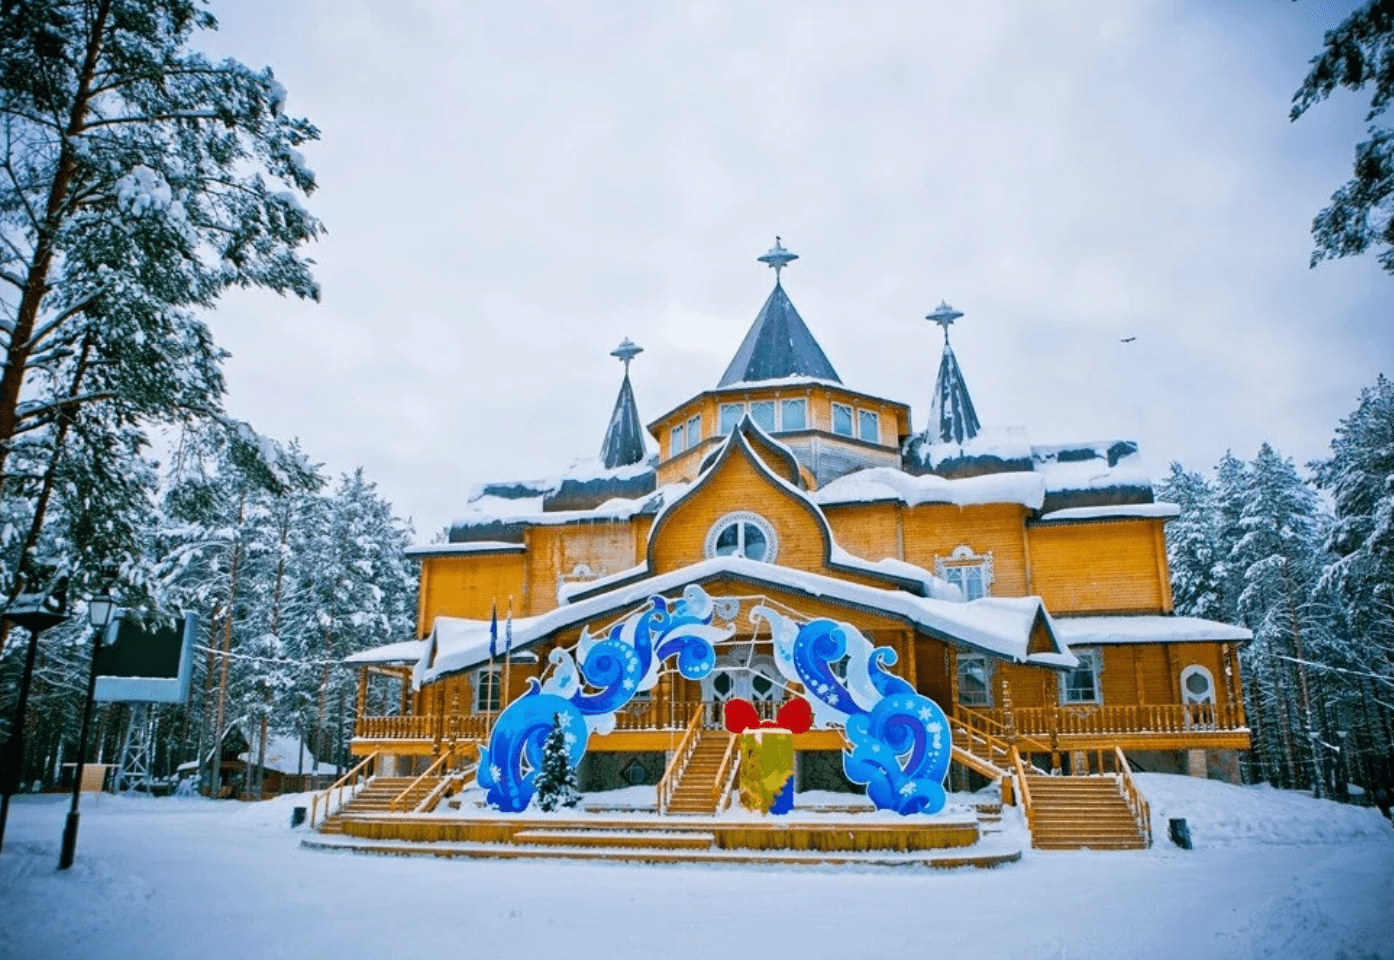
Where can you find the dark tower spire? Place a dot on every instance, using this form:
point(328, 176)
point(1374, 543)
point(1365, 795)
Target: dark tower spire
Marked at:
point(624, 438)
point(952, 418)
point(778, 343)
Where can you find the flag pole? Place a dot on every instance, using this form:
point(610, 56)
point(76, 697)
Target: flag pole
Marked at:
point(507, 654)
point(492, 680)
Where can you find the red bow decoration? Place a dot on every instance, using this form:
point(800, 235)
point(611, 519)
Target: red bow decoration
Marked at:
point(739, 715)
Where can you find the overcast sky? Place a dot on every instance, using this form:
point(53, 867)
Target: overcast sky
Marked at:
point(509, 189)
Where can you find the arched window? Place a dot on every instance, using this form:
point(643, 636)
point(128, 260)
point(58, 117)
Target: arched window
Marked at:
point(1197, 685)
point(742, 535)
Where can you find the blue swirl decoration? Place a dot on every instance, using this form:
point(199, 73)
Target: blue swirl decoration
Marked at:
point(901, 743)
point(586, 695)
point(509, 765)
point(900, 753)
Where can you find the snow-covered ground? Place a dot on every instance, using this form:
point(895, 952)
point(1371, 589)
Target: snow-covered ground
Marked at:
point(1274, 874)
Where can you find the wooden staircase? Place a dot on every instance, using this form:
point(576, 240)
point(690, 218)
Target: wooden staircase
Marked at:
point(1076, 813)
point(375, 797)
point(696, 790)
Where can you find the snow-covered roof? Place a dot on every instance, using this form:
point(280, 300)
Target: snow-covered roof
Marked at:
point(287, 754)
point(494, 509)
point(999, 626)
point(403, 651)
point(1096, 465)
point(890, 483)
point(1088, 631)
point(1114, 511)
point(478, 546)
point(624, 443)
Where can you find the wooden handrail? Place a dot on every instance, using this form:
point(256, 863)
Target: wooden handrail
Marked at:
point(994, 732)
point(681, 755)
point(402, 800)
point(352, 775)
point(725, 776)
point(1023, 788)
point(1113, 719)
point(429, 801)
point(1137, 803)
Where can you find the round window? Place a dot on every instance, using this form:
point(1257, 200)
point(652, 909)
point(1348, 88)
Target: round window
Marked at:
point(742, 535)
point(1197, 685)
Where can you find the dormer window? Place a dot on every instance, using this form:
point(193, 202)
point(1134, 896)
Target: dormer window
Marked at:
point(970, 572)
point(762, 412)
point(676, 444)
point(742, 535)
point(842, 419)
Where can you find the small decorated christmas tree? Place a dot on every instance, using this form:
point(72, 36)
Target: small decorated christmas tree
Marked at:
point(556, 781)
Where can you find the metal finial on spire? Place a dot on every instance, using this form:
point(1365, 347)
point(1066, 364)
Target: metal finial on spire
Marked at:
point(944, 315)
point(626, 351)
point(778, 257)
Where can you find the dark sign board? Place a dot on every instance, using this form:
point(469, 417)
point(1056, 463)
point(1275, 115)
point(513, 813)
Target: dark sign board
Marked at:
point(146, 664)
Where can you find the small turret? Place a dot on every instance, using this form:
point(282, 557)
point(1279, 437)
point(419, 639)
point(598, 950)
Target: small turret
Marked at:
point(624, 438)
point(952, 418)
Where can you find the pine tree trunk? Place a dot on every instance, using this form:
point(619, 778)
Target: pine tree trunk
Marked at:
point(226, 647)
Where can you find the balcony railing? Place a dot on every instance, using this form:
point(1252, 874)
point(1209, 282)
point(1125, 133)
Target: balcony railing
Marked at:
point(1106, 720)
point(639, 715)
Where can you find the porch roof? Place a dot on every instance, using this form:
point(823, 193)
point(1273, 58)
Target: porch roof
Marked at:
point(999, 626)
point(1089, 631)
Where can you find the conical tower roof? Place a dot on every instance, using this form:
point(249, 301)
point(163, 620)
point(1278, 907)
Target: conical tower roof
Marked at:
point(952, 418)
point(778, 343)
point(624, 438)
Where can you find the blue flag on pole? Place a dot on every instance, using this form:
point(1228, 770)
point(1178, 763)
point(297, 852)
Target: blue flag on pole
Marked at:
point(508, 630)
point(493, 631)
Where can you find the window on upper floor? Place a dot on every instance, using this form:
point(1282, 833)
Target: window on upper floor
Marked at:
point(743, 535)
point(487, 691)
point(694, 431)
point(793, 414)
point(973, 681)
point(869, 426)
point(1197, 685)
point(762, 412)
point(842, 419)
point(731, 414)
point(969, 571)
point(677, 444)
point(1082, 683)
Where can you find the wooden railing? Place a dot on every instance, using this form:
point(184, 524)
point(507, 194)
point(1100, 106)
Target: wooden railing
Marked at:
point(353, 781)
point(1023, 789)
point(994, 732)
point(1137, 803)
point(726, 776)
point(418, 788)
point(428, 802)
point(1094, 719)
point(398, 728)
point(681, 755)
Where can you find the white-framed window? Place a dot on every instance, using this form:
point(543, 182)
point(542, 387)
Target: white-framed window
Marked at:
point(974, 681)
point(676, 444)
point(731, 414)
point(969, 571)
point(487, 691)
point(1197, 685)
point(1082, 683)
point(842, 419)
point(762, 412)
point(694, 431)
point(743, 534)
point(869, 426)
point(793, 414)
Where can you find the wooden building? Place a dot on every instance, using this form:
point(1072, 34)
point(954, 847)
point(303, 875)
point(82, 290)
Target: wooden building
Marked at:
point(1023, 588)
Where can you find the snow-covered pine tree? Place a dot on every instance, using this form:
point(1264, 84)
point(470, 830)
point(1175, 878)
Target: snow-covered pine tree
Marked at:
point(556, 781)
point(1193, 545)
point(1277, 562)
point(1357, 584)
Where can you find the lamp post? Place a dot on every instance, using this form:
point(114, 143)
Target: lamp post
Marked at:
point(99, 611)
point(35, 612)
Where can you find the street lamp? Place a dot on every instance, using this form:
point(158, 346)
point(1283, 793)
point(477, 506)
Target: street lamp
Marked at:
point(99, 611)
point(35, 611)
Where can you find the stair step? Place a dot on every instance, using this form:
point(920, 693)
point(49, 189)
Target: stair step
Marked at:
point(685, 840)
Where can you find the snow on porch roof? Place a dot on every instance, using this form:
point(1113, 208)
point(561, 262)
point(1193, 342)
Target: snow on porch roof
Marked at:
point(1087, 631)
point(999, 626)
point(403, 651)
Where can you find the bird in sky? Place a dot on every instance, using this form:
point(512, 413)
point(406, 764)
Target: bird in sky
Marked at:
point(1127, 340)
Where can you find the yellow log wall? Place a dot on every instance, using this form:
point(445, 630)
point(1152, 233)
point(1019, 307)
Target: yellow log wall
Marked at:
point(466, 585)
point(1100, 568)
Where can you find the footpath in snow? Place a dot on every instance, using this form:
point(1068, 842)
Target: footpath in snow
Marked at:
point(1274, 874)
